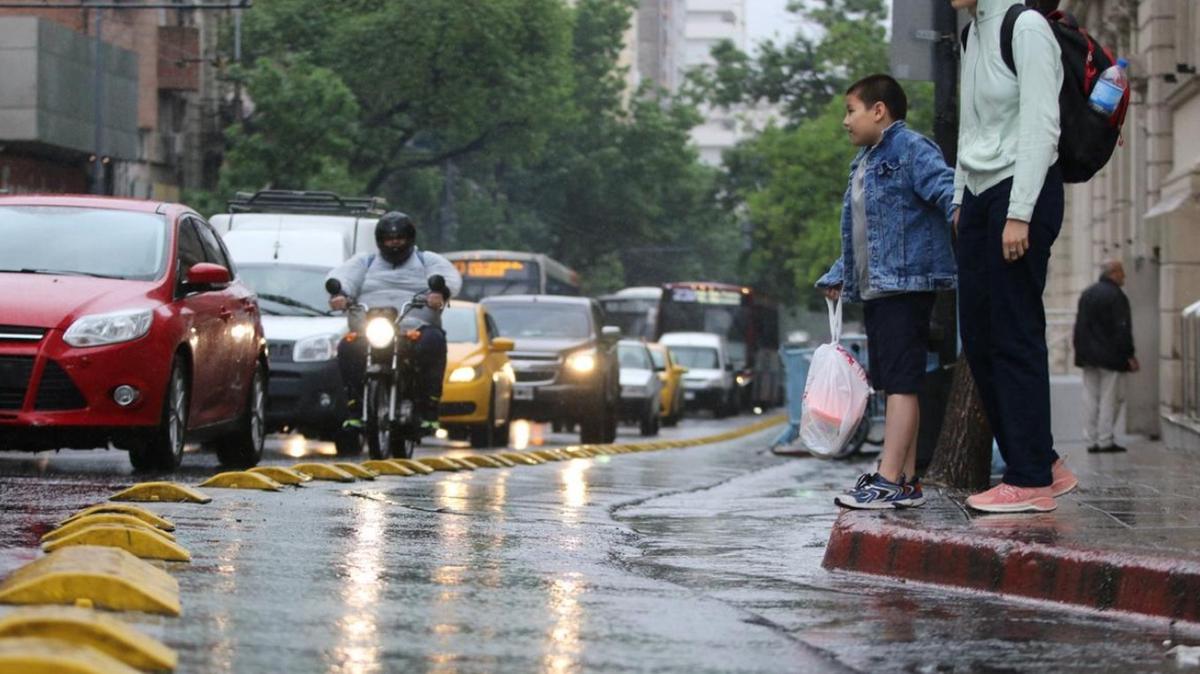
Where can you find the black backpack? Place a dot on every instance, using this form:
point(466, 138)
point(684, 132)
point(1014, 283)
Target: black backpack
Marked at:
point(1088, 138)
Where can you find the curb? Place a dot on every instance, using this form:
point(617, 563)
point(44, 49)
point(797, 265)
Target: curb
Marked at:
point(1093, 578)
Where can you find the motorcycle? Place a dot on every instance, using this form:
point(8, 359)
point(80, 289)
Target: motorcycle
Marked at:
point(391, 426)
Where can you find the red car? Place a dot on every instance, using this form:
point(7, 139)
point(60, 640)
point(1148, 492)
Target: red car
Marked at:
point(123, 321)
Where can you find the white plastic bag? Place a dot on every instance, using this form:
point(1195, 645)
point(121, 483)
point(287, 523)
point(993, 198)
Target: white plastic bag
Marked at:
point(835, 395)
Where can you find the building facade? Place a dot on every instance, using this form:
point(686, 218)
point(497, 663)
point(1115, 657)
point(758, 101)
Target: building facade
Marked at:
point(709, 22)
point(1144, 209)
point(135, 113)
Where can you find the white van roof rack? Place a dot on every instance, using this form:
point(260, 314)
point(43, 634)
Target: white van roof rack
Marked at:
point(309, 202)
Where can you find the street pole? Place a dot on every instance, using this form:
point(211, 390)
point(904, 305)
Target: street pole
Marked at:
point(98, 182)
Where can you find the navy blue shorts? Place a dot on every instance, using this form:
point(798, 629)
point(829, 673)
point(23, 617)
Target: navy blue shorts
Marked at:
point(897, 341)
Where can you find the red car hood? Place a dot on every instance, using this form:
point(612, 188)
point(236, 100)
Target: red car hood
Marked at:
point(44, 301)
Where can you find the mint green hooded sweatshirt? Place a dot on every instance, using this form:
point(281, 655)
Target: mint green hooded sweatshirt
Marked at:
point(1008, 124)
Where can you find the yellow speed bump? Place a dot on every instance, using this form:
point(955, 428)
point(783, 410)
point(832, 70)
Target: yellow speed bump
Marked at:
point(123, 509)
point(81, 626)
point(361, 472)
point(281, 475)
point(165, 492)
point(104, 518)
point(480, 461)
point(463, 465)
point(549, 455)
point(138, 540)
point(109, 578)
point(439, 463)
point(414, 465)
point(39, 655)
point(521, 458)
point(242, 479)
point(580, 452)
point(323, 471)
point(386, 467)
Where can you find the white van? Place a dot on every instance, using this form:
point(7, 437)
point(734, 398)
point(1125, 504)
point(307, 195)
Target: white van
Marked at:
point(284, 242)
point(709, 381)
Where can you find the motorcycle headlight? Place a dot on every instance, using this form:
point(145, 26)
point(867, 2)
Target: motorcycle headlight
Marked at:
point(315, 349)
point(380, 332)
point(582, 362)
point(464, 374)
point(120, 326)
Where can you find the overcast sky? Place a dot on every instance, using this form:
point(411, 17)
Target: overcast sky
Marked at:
point(769, 19)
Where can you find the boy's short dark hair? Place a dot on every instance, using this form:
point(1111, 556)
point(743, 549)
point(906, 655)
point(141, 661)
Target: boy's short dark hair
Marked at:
point(884, 89)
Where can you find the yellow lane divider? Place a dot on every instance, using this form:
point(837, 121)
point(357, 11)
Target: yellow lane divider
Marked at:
point(439, 463)
point(144, 543)
point(282, 475)
point(109, 578)
point(242, 479)
point(356, 470)
point(387, 467)
point(39, 655)
point(481, 461)
point(85, 627)
point(323, 471)
point(104, 518)
point(122, 509)
point(164, 492)
point(522, 458)
point(412, 464)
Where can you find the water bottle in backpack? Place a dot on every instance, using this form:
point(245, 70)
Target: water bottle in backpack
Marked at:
point(1110, 89)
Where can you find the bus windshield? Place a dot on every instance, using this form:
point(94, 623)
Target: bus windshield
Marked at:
point(635, 317)
point(729, 321)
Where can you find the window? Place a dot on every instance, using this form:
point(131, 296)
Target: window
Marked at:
point(191, 252)
point(634, 356)
point(213, 251)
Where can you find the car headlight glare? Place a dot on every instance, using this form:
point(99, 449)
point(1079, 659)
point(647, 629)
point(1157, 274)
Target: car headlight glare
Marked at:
point(380, 332)
point(315, 349)
point(582, 362)
point(121, 326)
point(463, 375)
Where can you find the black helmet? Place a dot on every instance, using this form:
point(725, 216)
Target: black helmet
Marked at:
point(395, 225)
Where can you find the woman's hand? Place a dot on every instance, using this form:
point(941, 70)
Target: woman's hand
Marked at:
point(338, 302)
point(1015, 240)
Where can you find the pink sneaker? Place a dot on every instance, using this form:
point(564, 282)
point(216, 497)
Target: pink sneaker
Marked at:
point(1006, 498)
point(1064, 480)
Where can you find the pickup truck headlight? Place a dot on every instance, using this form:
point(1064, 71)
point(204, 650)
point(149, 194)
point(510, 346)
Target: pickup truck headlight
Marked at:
point(315, 349)
point(113, 328)
point(582, 362)
point(380, 332)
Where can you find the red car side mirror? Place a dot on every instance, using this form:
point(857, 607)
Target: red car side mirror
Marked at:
point(208, 274)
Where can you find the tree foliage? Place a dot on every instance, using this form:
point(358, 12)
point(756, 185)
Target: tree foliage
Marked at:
point(497, 123)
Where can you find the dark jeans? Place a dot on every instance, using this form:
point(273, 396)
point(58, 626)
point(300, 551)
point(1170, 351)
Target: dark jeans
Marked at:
point(431, 367)
point(1003, 325)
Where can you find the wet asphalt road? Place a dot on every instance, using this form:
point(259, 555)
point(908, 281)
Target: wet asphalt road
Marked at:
point(697, 560)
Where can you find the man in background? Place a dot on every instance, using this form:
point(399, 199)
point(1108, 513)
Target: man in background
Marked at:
point(1103, 341)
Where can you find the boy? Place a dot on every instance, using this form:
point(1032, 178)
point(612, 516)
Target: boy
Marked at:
point(896, 251)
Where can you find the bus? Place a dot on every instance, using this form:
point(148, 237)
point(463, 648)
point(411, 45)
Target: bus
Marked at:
point(506, 272)
point(748, 321)
point(634, 310)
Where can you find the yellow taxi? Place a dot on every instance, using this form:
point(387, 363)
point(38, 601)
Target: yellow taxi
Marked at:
point(671, 375)
point(478, 389)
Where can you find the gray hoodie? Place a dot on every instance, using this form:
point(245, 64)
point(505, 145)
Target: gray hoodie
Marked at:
point(374, 282)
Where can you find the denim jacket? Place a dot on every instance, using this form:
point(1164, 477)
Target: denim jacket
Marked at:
point(910, 204)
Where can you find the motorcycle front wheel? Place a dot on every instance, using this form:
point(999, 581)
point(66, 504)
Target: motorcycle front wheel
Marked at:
point(378, 428)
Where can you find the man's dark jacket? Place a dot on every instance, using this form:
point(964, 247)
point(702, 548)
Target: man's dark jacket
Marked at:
point(1103, 330)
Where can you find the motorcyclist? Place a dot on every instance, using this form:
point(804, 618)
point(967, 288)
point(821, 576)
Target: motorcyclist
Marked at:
point(390, 278)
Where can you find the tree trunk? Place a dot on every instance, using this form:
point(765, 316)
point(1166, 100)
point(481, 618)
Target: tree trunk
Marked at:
point(963, 456)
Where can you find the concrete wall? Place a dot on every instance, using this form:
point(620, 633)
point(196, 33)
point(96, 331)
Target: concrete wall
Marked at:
point(46, 93)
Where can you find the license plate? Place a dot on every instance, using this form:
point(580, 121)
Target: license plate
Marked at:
point(523, 393)
point(689, 395)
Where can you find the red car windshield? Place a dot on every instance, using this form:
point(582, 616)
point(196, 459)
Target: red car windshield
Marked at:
point(82, 241)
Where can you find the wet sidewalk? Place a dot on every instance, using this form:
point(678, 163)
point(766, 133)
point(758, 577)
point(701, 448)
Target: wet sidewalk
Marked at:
point(1128, 539)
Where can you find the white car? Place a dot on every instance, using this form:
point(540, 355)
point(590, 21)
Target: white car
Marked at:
point(709, 382)
point(641, 387)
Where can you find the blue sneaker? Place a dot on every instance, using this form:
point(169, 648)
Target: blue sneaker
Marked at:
point(912, 496)
point(871, 492)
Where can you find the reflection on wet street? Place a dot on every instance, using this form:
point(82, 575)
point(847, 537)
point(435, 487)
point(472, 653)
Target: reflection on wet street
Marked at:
point(695, 560)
